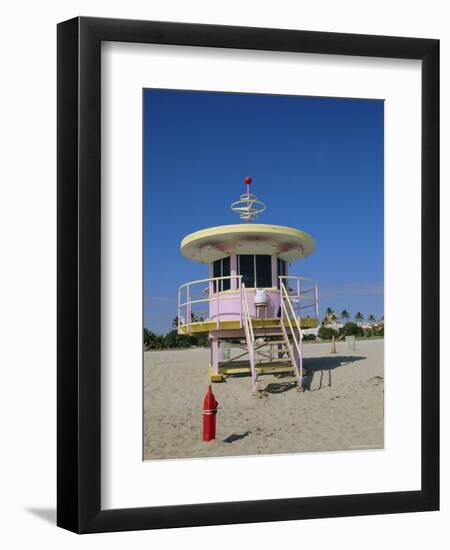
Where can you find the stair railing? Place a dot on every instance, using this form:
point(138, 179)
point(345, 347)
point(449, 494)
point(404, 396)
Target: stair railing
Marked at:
point(288, 314)
point(249, 333)
point(304, 295)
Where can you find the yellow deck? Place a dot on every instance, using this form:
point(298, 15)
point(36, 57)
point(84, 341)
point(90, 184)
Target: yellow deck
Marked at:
point(209, 326)
point(241, 369)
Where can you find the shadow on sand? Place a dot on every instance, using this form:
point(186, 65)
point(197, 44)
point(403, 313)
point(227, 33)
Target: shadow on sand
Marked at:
point(314, 367)
point(235, 437)
point(322, 367)
point(280, 387)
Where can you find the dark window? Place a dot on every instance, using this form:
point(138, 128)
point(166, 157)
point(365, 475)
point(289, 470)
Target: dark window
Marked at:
point(226, 273)
point(256, 270)
point(263, 271)
point(217, 268)
point(221, 268)
point(246, 268)
point(281, 267)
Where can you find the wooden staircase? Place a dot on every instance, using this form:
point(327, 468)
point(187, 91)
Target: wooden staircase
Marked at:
point(284, 340)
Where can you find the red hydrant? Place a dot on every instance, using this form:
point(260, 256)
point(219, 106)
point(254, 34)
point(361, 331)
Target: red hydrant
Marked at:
point(209, 415)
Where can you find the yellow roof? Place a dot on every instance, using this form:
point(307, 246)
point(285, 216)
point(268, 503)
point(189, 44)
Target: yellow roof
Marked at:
point(213, 243)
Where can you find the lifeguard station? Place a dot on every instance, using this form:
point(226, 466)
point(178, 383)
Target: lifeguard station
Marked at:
point(249, 299)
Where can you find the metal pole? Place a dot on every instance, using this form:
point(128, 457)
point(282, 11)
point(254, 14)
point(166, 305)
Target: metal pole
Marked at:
point(179, 310)
point(217, 310)
point(240, 289)
point(188, 308)
point(316, 299)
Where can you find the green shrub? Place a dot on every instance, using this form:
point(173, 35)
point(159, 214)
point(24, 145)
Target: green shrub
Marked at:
point(173, 340)
point(170, 339)
point(351, 329)
point(326, 333)
point(157, 342)
point(202, 341)
point(309, 337)
point(149, 337)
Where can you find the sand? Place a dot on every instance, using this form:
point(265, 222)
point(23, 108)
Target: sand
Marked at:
point(340, 409)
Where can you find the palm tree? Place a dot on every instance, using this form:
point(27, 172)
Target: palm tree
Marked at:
point(194, 319)
point(345, 315)
point(152, 340)
point(371, 319)
point(359, 317)
point(330, 317)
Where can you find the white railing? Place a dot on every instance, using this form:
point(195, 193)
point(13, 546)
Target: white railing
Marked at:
point(249, 333)
point(301, 298)
point(195, 299)
point(201, 293)
point(288, 315)
point(246, 318)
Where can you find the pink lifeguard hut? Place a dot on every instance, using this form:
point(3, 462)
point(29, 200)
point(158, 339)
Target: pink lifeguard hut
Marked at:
point(249, 300)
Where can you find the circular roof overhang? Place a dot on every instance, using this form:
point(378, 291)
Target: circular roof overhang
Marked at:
point(214, 243)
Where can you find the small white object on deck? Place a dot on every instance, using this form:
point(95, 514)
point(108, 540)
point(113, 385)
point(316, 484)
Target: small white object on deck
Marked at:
point(260, 297)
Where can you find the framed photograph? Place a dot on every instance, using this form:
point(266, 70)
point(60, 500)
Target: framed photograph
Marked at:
point(248, 288)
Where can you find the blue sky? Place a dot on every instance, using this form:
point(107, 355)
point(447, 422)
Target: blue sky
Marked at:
point(317, 163)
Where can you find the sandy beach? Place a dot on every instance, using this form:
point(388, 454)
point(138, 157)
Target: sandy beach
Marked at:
point(340, 409)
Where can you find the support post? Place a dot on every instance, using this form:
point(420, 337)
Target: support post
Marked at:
point(188, 309)
point(241, 301)
point(274, 271)
point(297, 357)
point(217, 310)
point(215, 350)
point(316, 300)
point(179, 311)
point(233, 271)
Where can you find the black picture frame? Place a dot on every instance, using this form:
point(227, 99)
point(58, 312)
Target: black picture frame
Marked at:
point(79, 275)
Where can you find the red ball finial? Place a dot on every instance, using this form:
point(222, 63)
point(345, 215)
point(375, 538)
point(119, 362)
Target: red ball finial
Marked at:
point(248, 180)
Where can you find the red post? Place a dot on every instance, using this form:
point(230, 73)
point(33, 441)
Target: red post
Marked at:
point(248, 181)
point(209, 415)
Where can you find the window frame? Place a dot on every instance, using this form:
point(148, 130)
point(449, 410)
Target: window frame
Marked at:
point(255, 273)
point(224, 284)
point(279, 263)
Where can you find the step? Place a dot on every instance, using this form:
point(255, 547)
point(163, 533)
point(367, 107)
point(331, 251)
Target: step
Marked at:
point(261, 368)
point(245, 362)
point(269, 331)
point(274, 343)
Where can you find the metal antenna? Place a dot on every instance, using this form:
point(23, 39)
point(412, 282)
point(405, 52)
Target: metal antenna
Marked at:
point(248, 206)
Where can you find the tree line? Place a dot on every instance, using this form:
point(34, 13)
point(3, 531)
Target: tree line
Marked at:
point(174, 340)
point(360, 327)
point(328, 328)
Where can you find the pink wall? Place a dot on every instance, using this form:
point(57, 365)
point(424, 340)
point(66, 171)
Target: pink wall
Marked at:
point(229, 304)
